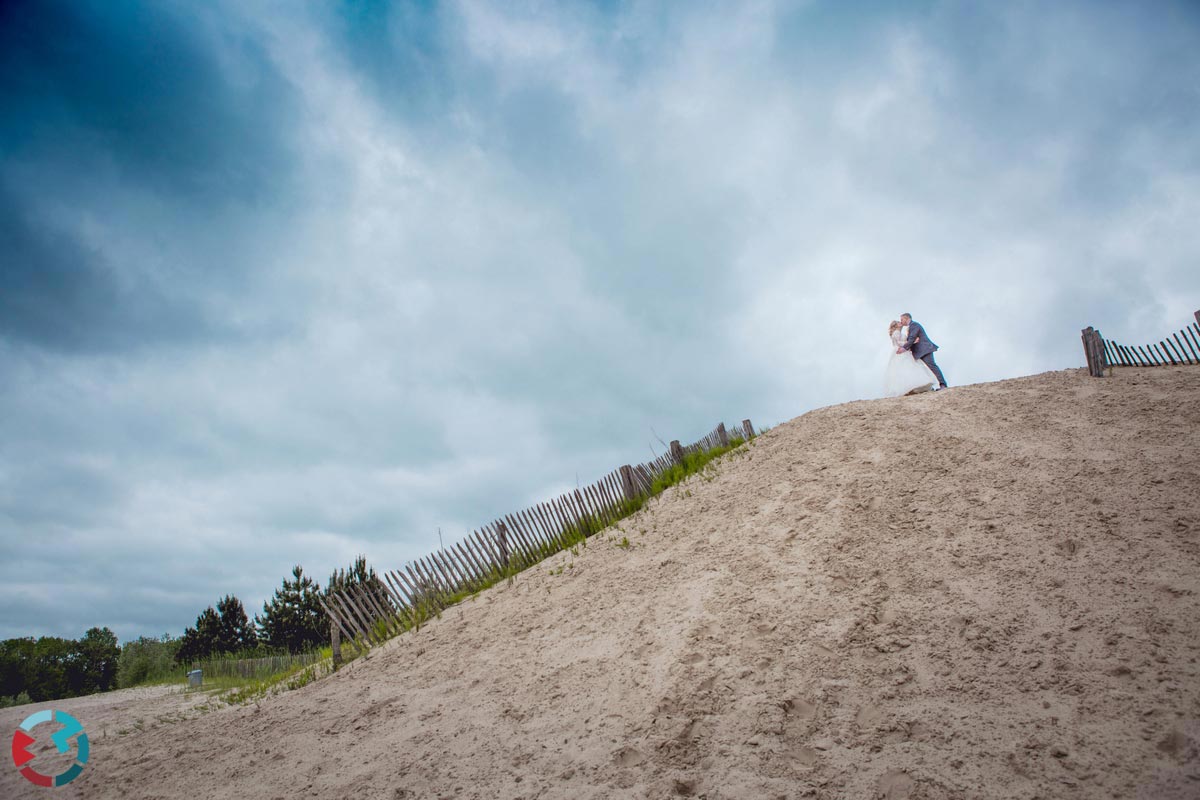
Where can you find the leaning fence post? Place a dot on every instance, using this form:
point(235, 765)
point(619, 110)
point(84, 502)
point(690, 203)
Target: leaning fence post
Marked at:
point(335, 639)
point(627, 485)
point(677, 453)
point(1198, 317)
point(502, 536)
point(1093, 352)
point(747, 429)
point(722, 436)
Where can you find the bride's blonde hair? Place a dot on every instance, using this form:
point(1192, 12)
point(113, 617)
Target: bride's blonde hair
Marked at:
point(893, 326)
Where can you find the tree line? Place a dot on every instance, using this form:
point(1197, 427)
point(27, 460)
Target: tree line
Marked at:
point(291, 621)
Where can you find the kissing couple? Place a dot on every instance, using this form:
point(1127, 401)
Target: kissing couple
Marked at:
point(911, 369)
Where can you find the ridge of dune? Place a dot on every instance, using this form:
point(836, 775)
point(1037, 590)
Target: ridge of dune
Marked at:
point(988, 592)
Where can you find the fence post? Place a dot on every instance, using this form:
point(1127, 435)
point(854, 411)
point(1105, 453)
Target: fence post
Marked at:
point(627, 485)
point(502, 535)
point(722, 436)
point(1087, 351)
point(335, 639)
point(1198, 317)
point(1092, 350)
point(747, 429)
point(677, 453)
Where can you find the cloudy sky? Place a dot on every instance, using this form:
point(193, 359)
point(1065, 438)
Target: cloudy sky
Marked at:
point(285, 283)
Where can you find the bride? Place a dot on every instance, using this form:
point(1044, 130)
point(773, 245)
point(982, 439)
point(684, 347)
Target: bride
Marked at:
point(905, 374)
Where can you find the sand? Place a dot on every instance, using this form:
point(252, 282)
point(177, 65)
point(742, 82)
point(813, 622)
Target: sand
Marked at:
point(990, 592)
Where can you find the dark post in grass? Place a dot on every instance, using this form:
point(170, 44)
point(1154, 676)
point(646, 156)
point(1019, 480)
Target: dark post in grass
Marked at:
point(335, 639)
point(722, 436)
point(627, 486)
point(502, 535)
point(677, 453)
point(747, 429)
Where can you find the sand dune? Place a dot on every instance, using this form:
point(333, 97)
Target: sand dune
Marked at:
point(989, 592)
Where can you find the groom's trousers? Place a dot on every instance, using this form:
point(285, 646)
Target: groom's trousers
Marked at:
point(933, 367)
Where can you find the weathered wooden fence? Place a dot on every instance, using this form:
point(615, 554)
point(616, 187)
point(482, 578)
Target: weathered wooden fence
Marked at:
point(254, 667)
point(1181, 347)
point(404, 598)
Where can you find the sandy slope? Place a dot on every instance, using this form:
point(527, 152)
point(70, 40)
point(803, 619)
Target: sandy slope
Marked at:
point(991, 592)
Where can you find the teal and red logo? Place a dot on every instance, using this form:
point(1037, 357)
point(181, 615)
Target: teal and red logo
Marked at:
point(62, 740)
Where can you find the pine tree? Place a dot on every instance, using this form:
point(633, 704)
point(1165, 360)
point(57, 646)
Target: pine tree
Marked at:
point(235, 633)
point(293, 619)
point(201, 641)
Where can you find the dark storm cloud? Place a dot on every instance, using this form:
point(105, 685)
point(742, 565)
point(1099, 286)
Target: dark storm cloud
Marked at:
point(121, 118)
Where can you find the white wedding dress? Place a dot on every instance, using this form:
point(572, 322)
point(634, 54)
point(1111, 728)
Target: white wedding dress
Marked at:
point(904, 373)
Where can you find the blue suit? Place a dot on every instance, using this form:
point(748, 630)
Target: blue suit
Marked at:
point(922, 347)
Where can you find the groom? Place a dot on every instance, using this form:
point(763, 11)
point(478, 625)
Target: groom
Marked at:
point(921, 346)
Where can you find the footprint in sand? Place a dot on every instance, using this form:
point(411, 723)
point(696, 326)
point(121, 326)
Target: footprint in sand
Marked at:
point(628, 757)
point(895, 785)
point(868, 717)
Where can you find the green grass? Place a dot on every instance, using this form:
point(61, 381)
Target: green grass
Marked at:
point(233, 680)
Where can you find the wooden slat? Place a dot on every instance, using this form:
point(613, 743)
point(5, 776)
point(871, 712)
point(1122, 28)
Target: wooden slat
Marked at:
point(553, 521)
point(1162, 358)
point(491, 551)
point(569, 511)
point(480, 552)
point(1150, 361)
point(397, 597)
point(369, 601)
point(481, 556)
point(420, 592)
point(402, 587)
point(530, 533)
point(593, 498)
point(503, 546)
point(1108, 352)
point(610, 497)
point(1181, 337)
point(427, 564)
point(361, 618)
point(1135, 356)
point(608, 507)
point(1162, 348)
point(476, 569)
point(336, 602)
point(436, 590)
point(1184, 356)
point(409, 591)
point(525, 545)
point(548, 530)
point(539, 528)
point(354, 615)
point(374, 606)
point(426, 588)
point(1174, 354)
point(461, 567)
point(335, 618)
point(453, 576)
point(539, 531)
point(584, 514)
point(1193, 336)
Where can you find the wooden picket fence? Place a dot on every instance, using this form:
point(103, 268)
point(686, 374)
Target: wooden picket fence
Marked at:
point(403, 598)
point(1181, 347)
